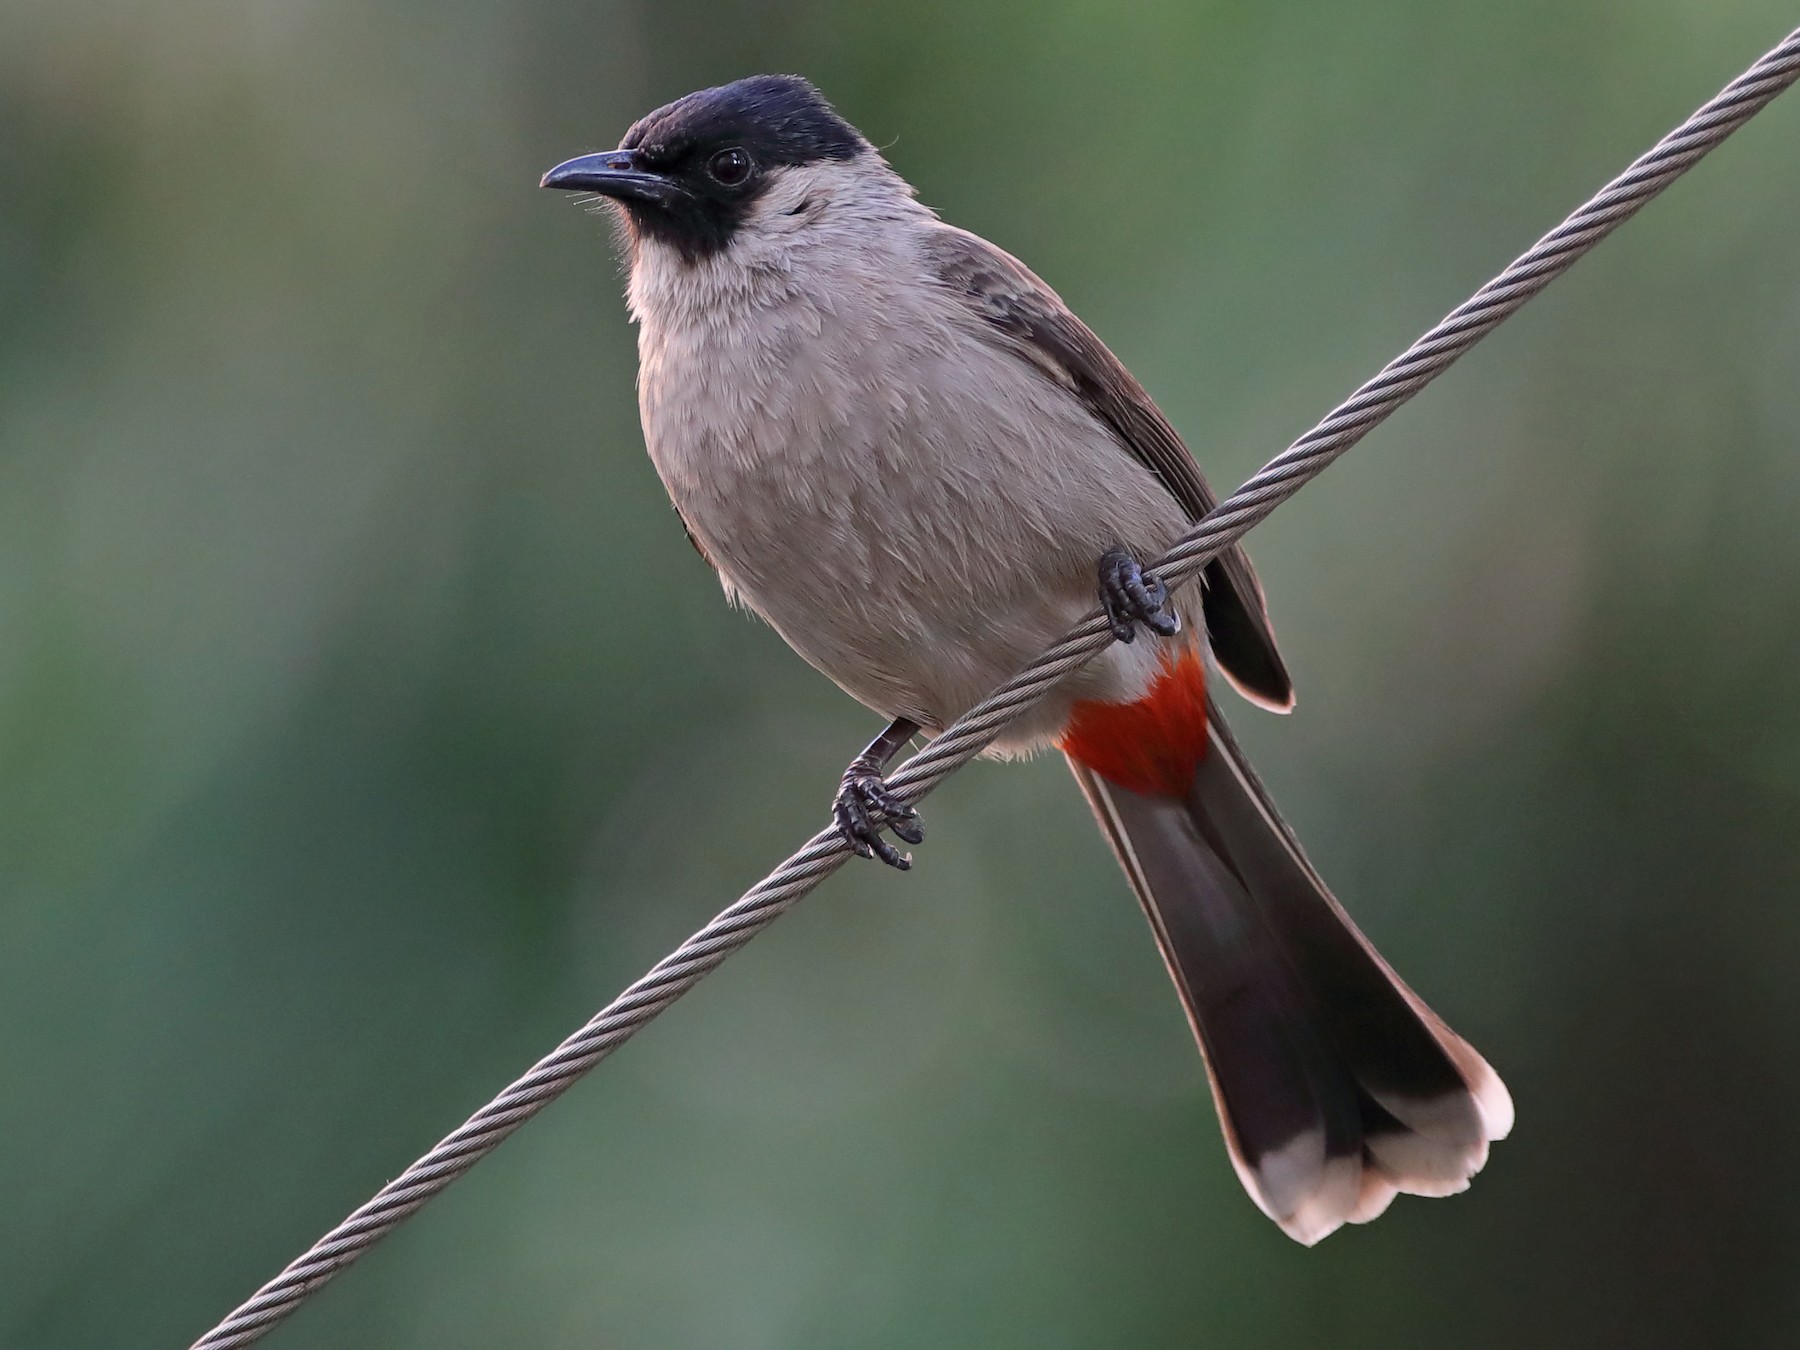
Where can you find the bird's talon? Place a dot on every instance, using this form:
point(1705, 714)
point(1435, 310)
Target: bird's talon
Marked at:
point(862, 800)
point(1131, 596)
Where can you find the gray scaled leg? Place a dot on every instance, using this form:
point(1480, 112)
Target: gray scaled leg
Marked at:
point(863, 801)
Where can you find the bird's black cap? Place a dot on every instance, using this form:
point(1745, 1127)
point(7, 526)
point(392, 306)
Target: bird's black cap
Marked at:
point(689, 172)
point(780, 119)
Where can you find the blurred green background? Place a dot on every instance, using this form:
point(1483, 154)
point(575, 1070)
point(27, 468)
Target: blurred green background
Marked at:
point(366, 721)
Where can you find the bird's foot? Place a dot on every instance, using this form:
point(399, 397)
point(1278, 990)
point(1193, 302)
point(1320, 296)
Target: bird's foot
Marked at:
point(864, 806)
point(1131, 596)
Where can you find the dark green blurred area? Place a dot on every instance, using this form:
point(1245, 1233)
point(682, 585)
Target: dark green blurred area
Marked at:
point(366, 721)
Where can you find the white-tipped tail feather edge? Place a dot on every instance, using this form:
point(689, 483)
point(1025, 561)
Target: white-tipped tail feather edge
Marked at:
point(1336, 1086)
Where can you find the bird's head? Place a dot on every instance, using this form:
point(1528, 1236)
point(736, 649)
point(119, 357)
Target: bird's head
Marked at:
point(696, 174)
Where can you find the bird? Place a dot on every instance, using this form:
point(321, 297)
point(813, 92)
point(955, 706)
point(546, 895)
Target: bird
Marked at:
point(898, 446)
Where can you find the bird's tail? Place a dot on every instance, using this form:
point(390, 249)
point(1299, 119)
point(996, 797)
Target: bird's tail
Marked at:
point(1336, 1086)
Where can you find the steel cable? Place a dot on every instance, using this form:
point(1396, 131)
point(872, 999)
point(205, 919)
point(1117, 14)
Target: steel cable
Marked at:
point(822, 855)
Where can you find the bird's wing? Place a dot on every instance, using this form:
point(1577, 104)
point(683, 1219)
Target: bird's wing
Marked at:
point(1032, 318)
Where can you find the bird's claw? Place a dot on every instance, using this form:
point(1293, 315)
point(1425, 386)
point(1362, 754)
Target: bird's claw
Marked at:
point(1131, 596)
point(864, 807)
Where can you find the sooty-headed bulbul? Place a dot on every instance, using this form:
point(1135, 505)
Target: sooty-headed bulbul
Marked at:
point(900, 448)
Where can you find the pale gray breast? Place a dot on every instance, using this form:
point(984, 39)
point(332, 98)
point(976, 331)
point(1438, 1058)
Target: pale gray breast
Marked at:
point(914, 507)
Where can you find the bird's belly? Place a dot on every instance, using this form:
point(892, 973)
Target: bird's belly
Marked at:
point(920, 554)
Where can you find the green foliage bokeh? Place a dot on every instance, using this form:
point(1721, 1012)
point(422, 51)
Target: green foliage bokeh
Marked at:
point(366, 722)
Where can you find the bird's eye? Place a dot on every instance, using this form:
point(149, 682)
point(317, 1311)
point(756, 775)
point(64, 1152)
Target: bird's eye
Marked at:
point(729, 167)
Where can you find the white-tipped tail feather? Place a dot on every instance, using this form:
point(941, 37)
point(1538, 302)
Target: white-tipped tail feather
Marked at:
point(1336, 1086)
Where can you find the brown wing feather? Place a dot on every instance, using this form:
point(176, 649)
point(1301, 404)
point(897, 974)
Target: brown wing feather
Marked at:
point(1014, 301)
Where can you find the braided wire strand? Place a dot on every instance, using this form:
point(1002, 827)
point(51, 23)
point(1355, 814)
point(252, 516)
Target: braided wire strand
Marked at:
point(826, 851)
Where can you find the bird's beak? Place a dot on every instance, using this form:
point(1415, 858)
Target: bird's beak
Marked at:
point(613, 173)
